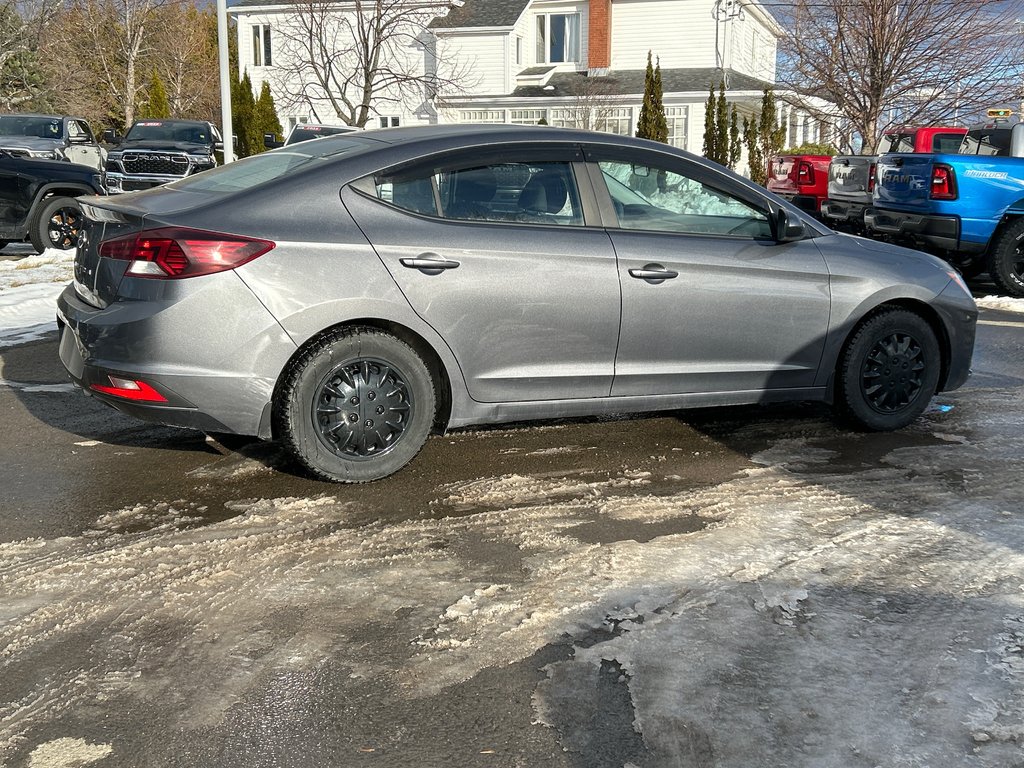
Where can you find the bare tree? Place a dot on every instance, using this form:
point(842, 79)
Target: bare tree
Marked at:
point(109, 54)
point(593, 102)
point(184, 48)
point(359, 57)
point(22, 26)
point(887, 62)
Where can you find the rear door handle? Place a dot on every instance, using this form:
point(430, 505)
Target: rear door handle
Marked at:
point(429, 264)
point(653, 273)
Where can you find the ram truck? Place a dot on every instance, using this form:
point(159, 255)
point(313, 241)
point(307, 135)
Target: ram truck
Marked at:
point(851, 178)
point(800, 179)
point(966, 207)
point(156, 152)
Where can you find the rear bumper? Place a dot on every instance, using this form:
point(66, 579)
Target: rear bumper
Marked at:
point(808, 203)
point(842, 212)
point(942, 232)
point(215, 383)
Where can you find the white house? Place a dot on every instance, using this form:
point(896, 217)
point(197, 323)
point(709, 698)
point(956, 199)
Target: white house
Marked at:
point(574, 63)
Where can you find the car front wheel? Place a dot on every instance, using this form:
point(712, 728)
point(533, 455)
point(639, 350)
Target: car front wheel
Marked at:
point(57, 225)
point(356, 405)
point(888, 370)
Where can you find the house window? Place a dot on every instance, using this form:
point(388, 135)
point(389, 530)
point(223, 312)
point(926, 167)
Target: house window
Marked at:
point(261, 45)
point(678, 119)
point(482, 116)
point(526, 116)
point(558, 38)
point(519, 50)
point(614, 120)
point(389, 122)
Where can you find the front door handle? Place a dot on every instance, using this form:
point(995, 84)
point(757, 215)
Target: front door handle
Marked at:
point(653, 273)
point(429, 264)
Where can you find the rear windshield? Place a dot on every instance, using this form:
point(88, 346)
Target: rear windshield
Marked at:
point(947, 143)
point(268, 166)
point(896, 142)
point(987, 141)
point(307, 132)
point(34, 127)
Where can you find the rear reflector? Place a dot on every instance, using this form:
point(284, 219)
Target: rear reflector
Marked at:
point(176, 252)
point(129, 389)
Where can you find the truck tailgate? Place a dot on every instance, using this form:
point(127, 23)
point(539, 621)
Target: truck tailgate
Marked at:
point(850, 177)
point(904, 181)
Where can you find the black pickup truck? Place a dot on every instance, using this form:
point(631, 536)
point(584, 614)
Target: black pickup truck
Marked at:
point(37, 200)
point(156, 152)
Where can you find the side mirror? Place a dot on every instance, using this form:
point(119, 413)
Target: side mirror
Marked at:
point(110, 136)
point(788, 228)
point(270, 141)
point(218, 146)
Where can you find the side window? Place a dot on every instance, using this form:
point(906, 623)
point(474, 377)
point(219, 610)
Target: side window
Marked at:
point(84, 129)
point(74, 129)
point(660, 200)
point(517, 192)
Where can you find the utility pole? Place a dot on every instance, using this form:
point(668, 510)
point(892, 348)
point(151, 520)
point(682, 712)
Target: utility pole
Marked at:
point(225, 81)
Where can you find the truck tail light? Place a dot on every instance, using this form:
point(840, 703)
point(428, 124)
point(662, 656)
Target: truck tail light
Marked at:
point(871, 177)
point(804, 173)
point(171, 253)
point(943, 182)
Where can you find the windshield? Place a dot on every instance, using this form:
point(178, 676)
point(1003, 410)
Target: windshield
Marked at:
point(35, 127)
point(994, 141)
point(189, 133)
point(268, 166)
point(306, 132)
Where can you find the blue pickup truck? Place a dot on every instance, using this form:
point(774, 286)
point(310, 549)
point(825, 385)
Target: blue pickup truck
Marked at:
point(967, 208)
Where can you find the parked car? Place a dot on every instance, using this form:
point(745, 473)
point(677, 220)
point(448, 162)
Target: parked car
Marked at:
point(967, 207)
point(851, 178)
point(304, 132)
point(347, 295)
point(156, 152)
point(801, 179)
point(37, 200)
point(51, 137)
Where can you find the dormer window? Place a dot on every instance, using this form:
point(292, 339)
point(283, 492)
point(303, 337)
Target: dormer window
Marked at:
point(558, 38)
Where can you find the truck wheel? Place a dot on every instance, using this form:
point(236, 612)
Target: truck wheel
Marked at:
point(888, 371)
point(1006, 260)
point(356, 405)
point(57, 224)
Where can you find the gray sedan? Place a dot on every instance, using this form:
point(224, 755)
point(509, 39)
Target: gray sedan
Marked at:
point(347, 296)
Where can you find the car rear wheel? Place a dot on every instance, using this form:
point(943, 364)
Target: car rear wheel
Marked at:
point(888, 370)
point(356, 405)
point(1006, 260)
point(57, 225)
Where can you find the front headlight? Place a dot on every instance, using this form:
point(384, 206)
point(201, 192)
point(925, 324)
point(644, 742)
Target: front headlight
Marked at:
point(45, 154)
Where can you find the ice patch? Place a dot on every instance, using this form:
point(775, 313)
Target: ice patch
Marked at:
point(67, 753)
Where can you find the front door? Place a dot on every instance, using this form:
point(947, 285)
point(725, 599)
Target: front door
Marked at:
point(710, 302)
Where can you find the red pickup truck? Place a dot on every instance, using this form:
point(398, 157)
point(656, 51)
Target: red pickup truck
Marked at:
point(851, 178)
point(801, 179)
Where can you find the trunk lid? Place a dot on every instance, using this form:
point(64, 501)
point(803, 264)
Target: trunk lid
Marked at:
point(904, 181)
point(97, 279)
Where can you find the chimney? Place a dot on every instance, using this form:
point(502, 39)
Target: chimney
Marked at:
point(599, 35)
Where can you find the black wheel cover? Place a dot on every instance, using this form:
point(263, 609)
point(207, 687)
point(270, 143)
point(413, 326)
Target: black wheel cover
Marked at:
point(893, 373)
point(362, 408)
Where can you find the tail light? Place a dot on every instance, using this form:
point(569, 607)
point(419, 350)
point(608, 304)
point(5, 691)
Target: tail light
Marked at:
point(170, 253)
point(871, 177)
point(129, 389)
point(943, 182)
point(804, 173)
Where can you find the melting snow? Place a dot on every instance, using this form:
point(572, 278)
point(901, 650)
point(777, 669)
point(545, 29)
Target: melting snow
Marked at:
point(29, 288)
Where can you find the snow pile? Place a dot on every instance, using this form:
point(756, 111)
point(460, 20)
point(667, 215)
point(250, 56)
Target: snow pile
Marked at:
point(1003, 303)
point(29, 288)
